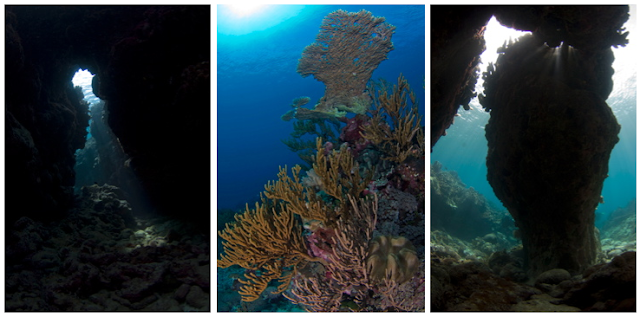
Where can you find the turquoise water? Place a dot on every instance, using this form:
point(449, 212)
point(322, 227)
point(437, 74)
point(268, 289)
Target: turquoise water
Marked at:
point(464, 148)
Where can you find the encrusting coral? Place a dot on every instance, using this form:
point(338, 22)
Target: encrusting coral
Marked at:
point(349, 47)
point(391, 258)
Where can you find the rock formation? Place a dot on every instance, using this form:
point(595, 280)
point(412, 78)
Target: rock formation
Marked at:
point(551, 132)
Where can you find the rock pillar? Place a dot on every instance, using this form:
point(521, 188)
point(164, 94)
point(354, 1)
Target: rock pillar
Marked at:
point(550, 136)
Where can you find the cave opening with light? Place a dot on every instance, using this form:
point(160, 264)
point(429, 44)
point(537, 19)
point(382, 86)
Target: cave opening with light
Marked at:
point(107, 158)
point(533, 159)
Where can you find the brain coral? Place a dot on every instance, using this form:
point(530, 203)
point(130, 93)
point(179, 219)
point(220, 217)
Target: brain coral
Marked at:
point(391, 257)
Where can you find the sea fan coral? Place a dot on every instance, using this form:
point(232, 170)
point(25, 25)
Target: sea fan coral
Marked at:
point(348, 48)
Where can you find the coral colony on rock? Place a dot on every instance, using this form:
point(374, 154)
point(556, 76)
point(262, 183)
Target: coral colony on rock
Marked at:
point(97, 216)
point(344, 232)
point(550, 136)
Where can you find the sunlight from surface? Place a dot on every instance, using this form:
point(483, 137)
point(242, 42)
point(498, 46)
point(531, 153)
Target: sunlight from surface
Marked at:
point(82, 78)
point(244, 18)
point(465, 140)
point(245, 10)
point(495, 35)
point(624, 78)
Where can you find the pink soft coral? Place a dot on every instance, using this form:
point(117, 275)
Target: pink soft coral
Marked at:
point(320, 243)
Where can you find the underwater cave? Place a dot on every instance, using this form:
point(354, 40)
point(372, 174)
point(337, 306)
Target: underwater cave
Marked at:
point(550, 135)
point(108, 179)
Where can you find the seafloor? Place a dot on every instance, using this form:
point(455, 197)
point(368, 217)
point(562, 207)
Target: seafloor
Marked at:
point(102, 258)
point(477, 259)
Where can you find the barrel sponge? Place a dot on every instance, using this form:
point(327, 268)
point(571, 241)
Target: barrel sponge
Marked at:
point(392, 258)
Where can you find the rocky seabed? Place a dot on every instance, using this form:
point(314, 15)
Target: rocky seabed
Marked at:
point(100, 258)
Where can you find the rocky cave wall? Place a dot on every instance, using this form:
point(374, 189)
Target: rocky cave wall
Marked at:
point(456, 44)
point(152, 70)
point(551, 132)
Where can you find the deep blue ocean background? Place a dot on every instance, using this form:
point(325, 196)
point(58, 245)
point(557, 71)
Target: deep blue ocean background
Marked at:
point(257, 80)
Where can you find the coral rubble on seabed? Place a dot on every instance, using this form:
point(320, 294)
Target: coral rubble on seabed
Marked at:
point(461, 281)
point(618, 233)
point(487, 272)
point(101, 258)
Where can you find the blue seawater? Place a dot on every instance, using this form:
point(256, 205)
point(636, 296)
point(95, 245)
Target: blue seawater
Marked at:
point(257, 80)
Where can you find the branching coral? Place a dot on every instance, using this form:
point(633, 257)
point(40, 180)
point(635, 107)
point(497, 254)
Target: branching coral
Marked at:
point(265, 240)
point(297, 103)
point(340, 176)
point(345, 269)
point(349, 47)
point(326, 129)
point(403, 137)
point(298, 199)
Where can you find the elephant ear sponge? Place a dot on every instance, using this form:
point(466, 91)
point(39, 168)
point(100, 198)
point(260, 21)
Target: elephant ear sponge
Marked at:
point(392, 258)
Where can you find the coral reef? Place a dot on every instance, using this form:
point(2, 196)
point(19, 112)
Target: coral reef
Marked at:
point(325, 129)
point(464, 278)
point(400, 214)
point(332, 212)
point(100, 258)
point(462, 211)
point(550, 136)
point(343, 277)
point(297, 102)
point(327, 262)
point(273, 220)
point(395, 125)
point(349, 47)
point(621, 224)
point(618, 232)
point(469, 285)
point(245, 245)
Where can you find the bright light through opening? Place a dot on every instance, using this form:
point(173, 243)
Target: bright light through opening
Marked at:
point(83, 79)
point(245, 10)
point(495, 35)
